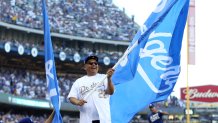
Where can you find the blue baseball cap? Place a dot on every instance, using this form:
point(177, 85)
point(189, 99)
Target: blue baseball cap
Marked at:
point(90, 57)
point(25, 120)
point(151, 105)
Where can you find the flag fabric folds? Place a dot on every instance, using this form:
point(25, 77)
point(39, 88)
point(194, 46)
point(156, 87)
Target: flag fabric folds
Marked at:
point(128, 67)
point(50, 69)
point(155, 65)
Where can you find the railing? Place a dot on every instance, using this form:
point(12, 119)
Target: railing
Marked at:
point(64, 36)
point(34, 103)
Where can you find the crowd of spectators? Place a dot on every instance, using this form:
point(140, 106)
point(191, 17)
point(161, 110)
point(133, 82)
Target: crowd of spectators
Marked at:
point(84, 18)
point(172, 101)
point(14, 117)
point(31, 84)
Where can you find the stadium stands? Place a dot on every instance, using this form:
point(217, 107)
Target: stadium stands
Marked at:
point(84, 18)
point(23, 75)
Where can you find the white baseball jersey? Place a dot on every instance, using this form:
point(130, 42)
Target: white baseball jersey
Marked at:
point(97, 106)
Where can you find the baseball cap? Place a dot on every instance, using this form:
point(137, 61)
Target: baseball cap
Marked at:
point(90, 57)
point(151, 105)
point(25, 120)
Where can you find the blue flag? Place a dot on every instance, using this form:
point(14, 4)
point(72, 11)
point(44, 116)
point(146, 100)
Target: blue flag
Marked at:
point(128, 66)
point(51, 76)
point(157, 67)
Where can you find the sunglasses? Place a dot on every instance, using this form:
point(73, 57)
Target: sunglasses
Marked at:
point(92, 63)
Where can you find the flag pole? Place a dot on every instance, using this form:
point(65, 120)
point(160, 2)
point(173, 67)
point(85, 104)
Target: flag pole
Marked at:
point(119, 61)
point(50, 69)
point(187, 84)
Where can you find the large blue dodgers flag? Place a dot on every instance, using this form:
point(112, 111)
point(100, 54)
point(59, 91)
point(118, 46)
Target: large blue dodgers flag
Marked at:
point(51, 76)
point(154, 64)
point(129, 64)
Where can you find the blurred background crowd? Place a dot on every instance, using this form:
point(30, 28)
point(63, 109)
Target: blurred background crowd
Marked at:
point(84, 18)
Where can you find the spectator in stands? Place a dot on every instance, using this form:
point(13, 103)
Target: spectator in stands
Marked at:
point(95, 108)
point(156, 115)
point(28, 120)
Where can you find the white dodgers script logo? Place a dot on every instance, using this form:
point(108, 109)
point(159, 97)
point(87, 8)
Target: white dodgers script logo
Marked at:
point(143, 30)
point(49, 74)
point(159, 56)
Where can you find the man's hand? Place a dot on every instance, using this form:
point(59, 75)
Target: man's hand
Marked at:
point(110, 88)
point(76, 101)
point(81, 102)
point(110, 72)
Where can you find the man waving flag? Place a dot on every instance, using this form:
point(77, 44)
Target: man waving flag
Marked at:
point(150, 71)
point(51, 77)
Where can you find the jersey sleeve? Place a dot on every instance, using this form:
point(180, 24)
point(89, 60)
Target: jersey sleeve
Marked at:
point(74, 92)
point(160, 113)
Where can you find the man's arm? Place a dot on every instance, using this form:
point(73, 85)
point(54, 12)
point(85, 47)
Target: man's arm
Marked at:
point(50, 118)
point(164, 112)
point(110, 88)
point(78, 102)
